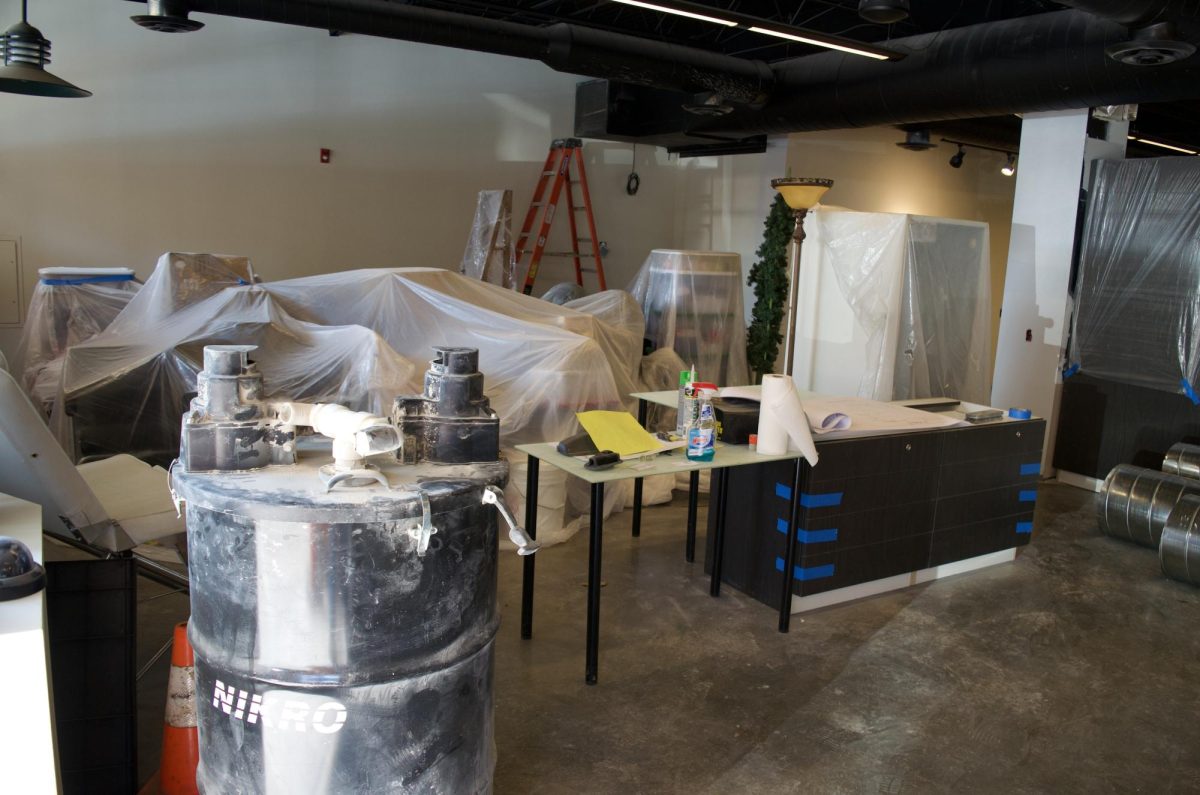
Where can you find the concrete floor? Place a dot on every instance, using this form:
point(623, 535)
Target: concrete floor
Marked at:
point(1071, 670)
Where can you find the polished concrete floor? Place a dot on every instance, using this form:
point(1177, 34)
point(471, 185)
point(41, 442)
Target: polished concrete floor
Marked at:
point(1073, 669)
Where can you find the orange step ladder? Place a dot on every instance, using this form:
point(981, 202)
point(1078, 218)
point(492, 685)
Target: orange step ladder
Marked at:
point(564, 153)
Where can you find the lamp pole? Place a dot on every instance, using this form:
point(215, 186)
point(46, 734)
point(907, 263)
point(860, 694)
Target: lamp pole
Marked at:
point(800, 194)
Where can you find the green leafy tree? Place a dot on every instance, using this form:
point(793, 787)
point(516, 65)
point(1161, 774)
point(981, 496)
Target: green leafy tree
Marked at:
point(769, 278)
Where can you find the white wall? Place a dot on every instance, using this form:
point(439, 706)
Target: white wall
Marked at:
point(209, 141)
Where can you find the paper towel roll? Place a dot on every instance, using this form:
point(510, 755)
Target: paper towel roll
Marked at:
point(782, 423)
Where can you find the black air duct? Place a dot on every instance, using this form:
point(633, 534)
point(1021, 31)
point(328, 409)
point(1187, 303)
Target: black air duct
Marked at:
point(1045, 62)
point(562, 47)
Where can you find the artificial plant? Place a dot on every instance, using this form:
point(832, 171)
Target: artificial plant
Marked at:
point(769, 278)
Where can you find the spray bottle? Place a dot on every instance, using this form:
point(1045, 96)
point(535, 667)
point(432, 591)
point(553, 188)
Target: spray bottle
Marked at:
point(702, 433)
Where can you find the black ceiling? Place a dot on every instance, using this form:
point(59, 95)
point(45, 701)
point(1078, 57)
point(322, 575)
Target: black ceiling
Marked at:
point(1176, 122)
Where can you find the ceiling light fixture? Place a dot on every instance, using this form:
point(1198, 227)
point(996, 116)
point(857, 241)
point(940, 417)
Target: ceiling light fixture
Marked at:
point(733, 19)
point(879, 56)
point(24, 52)
point(678, 12)
point(1161, 145)
point(883, 12)
point(956, 159)
point(1010, 166)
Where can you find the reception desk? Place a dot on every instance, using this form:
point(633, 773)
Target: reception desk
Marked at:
point(879, 513)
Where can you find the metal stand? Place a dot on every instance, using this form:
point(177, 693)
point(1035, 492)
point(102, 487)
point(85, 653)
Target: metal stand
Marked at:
point(591, 672)
point(720, 478)
point(789, 561)
point(531, 498)
point(689, 550)
point(789, 337)
point(637, 483)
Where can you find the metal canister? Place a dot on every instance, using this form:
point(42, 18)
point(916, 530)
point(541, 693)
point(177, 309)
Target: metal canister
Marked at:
point(332, 655)
point(1179, 547)
point(1134, 502)
point(1183, 459)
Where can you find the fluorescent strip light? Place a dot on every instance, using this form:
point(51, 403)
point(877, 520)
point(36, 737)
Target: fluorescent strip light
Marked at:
point(814, 42)
point(1162, 145)
point(678, 12)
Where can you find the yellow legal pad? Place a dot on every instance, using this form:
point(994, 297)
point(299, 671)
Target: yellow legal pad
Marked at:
point(617, 431)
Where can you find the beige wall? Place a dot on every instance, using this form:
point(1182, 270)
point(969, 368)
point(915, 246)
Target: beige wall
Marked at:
point(872, 174)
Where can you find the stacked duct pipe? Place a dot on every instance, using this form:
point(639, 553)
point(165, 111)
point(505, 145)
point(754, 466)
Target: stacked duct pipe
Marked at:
point(1158, 509)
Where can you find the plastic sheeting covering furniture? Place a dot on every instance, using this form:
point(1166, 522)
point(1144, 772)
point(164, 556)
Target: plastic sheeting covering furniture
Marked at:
point(1137, 294)
point(692, 303)
point(69, 305)
point(893, 306)
point(357, 337)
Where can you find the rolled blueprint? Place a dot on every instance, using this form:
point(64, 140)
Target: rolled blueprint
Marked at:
point(782, 423)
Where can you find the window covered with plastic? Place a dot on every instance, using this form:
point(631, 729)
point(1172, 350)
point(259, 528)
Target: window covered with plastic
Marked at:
point(69, 305)
point(1137, 293)
point(692, 302)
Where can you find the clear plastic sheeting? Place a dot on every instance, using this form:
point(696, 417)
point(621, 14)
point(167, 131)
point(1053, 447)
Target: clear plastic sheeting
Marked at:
point(692, 303)
point(893, 307)
point(1137, 294)
point(69, 305)
point(182, 278)
point(490, 256)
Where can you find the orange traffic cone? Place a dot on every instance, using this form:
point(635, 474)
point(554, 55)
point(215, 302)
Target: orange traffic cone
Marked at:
point(180, 748)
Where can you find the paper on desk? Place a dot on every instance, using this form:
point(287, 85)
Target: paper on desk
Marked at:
point(617, 431)
point(869, 417)
point(820, 420)
point(782, 423)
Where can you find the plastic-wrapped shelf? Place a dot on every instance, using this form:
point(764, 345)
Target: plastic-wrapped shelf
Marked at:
point(1137, 298)
point(692, 302)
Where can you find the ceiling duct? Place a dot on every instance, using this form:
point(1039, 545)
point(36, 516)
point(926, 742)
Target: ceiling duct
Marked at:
point(562, 47)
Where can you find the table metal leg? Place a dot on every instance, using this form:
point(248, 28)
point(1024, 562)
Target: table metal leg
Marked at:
point(718, 498)
point(689, 549)
point(637, 482)
point(531, 500)
point(593, 606)
point(789, 561)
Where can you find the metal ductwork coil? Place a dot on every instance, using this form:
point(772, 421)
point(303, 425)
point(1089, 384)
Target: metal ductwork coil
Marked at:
point(1179, 548)
point(1134, 502)
point(1183, 460)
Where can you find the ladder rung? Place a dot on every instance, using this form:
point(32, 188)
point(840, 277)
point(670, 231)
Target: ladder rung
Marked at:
point(583, 240)
point(549, 173)
point(562, 254)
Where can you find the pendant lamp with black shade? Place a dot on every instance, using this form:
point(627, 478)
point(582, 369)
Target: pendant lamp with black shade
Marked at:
point(24, 53)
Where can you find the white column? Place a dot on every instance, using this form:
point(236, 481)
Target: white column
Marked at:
point(1034, 315)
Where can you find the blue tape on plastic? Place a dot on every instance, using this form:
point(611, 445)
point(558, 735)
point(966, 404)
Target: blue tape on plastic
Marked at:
point(783, 490)
point(1070, 371)
point(1025, 527)
point(1187, 390)
point(108, 277)
point(826, 500)
point(810, 573)
point(808, 536)
point(1020, 414)
point(1027, 495)
point(1031, 469)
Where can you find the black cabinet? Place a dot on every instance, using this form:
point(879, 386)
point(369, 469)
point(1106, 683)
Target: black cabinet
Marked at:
point(875, 507)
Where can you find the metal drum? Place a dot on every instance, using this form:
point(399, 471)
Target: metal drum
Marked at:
point(343, 600)
point(1134, 502)
point(331, 656)
point(1183, 459)
point(1179, 548)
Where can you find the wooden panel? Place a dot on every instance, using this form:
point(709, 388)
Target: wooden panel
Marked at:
point(12, 296)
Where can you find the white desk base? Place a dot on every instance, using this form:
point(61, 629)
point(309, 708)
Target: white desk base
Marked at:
point(803, 604)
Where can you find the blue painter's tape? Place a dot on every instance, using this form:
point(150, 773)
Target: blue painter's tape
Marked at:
point(808, 536)
point(810, 573)
point(783, 490)
point(1070, 371)
point(108, 277)
point(1027, 495)
point(1187, 390)
point(826, 500)
point(1017, 413)
point(1025, 527)
point(1031, 469)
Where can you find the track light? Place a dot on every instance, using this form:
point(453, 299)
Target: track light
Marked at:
point(678, 12)
point(25, 52)
point(1161, 145)
point(956, 159)
point(1010, 166)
